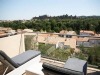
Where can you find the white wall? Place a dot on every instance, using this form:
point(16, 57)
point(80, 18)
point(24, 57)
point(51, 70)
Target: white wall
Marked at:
point(12, 45)
point(30, 64)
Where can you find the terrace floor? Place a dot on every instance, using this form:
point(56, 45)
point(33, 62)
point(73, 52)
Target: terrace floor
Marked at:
point(90, 71)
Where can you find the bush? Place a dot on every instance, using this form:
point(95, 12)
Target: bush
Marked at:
point(50, 51)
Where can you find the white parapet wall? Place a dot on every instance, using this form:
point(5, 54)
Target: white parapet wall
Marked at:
point(12, 45)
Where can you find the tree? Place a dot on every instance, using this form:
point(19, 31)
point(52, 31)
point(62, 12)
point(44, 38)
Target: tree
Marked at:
point(57, 23)
point(94, 55)
point(97, 29)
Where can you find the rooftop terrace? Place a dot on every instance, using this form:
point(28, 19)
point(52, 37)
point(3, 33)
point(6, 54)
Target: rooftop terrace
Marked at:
point(9, 48)
point(90, 71)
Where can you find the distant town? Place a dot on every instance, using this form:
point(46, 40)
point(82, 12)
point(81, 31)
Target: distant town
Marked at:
point(86, 38)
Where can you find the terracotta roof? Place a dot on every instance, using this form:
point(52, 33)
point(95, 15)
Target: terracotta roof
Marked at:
point(97, 35)
point(2, 28)
point(2, 32)
point(1, 35)
point(43, 35)
point(82, 39)
point(71, 33)
point(94, 38)
point(63, 32)
point(86, 31)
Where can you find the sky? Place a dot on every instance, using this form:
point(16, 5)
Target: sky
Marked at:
point(26, 9)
